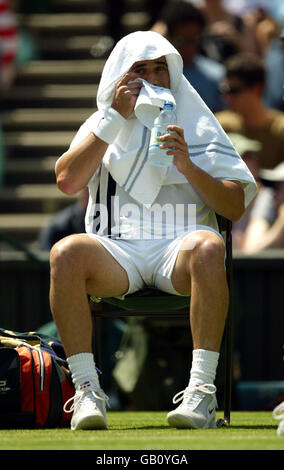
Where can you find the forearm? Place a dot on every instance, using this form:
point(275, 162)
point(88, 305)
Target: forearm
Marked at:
point(272, 238)
point(255, 231)
point(226, 198)
point(77, 166)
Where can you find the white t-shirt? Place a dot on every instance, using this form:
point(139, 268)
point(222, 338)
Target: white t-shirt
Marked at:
point(112, 212)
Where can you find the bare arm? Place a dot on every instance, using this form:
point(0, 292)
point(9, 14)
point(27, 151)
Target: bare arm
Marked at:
point(261, 236)
point(224, 197)
point(77, 166)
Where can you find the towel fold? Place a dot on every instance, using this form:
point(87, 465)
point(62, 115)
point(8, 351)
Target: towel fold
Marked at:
point(150, 101)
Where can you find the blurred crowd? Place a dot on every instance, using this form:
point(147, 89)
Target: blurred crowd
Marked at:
point(233, 55)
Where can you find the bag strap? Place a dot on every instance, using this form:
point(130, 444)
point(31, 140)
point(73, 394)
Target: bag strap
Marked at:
point(15, 339)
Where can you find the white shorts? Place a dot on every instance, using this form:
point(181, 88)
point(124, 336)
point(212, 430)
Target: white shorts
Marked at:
point(148, 263)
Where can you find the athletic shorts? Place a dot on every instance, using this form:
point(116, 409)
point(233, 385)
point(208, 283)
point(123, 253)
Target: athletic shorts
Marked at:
point(148, 263)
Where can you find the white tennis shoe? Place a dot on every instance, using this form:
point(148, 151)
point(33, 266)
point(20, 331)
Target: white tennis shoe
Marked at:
point(278, 413)
point(197, 410)
point(89, 408)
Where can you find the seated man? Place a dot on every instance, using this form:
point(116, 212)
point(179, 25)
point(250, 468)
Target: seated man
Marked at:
point(120, 253)
point(247, 113)
point(266, 227)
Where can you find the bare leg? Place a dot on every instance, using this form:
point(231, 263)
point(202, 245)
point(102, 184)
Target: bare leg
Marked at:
point(202, 269)
point(80, 265)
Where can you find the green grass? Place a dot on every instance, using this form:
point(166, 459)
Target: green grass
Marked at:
point(149, 431)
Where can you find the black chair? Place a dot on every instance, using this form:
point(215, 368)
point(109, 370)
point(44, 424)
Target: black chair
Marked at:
point(152, 303)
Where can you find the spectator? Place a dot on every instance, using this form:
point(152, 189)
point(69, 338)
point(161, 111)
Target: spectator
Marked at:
point(274, 63)
point(183, 24)
point(248, 149)
point(242, 89)
point(266, 227)
point(226, 33)
point(263, 26)
point(154, 9)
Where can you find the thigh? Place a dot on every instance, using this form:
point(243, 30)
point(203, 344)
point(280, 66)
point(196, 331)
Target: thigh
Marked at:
point(122, 265)
point(110, 279)
point(85, 259)
point(181, 274)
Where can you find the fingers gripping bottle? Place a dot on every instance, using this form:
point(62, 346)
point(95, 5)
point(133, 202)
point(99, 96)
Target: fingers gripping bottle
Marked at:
point(156, 155)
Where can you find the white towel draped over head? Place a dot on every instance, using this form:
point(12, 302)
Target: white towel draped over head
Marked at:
point(209, 146)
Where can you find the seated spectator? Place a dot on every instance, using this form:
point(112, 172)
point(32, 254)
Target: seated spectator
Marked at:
point(183, 25)
point(266, 227)
point(248, 149)
point(274, 64)
point(226, 33)
point(65, 222)
point(263, 25)
point(247, 114)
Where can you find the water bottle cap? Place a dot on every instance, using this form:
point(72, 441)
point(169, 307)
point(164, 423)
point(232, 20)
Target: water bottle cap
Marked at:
point(168, 104)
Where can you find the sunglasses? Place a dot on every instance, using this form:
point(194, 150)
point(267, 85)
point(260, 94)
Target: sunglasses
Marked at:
point(232, 90)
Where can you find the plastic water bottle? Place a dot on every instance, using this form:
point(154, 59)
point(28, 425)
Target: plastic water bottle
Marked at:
point(156, 155)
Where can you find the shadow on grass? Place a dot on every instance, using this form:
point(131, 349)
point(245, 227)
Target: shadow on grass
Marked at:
point(133, 428)
point(231, 427)
point(268, 426)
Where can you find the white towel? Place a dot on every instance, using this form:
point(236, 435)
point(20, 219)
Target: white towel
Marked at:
point(126, 159)
point(150, 101)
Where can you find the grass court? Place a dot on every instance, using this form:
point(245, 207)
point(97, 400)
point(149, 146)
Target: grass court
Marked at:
point(150, 431)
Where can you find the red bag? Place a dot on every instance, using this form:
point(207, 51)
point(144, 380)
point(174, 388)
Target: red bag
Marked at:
point(34, 385)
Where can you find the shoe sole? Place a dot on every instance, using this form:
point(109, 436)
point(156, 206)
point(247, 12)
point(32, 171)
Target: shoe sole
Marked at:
point(184, 422)
point(179, 421)
point(90, 422)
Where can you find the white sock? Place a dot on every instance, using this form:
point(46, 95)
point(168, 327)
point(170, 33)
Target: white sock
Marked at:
point(83, 370)
point(204, 365)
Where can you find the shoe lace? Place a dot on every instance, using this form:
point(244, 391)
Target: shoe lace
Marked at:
point(278, 412)
point(98, 394)
point(192, 393)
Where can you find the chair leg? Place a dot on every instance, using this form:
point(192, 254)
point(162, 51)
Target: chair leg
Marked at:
point(229, 333)
point(228, 368)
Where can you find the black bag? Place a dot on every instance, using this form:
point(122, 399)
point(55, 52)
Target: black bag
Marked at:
point(34, 381)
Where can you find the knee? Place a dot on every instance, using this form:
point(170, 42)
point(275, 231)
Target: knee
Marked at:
point(65, 257)
point(208, 254)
